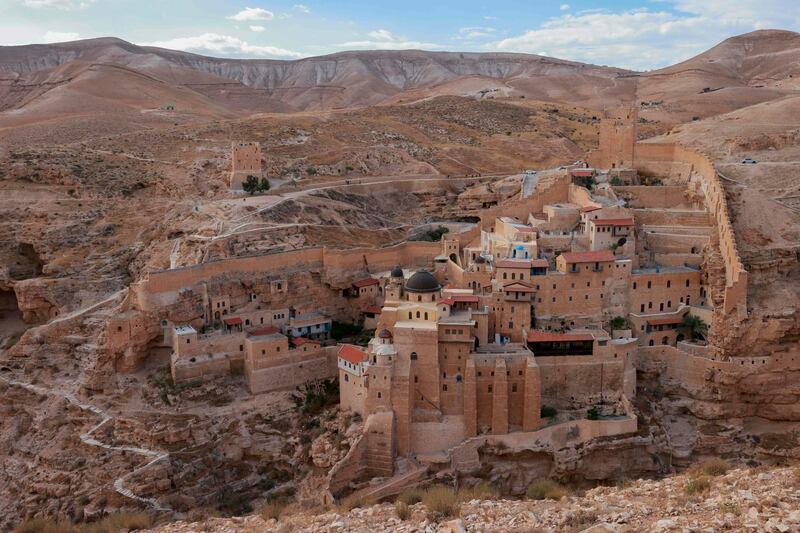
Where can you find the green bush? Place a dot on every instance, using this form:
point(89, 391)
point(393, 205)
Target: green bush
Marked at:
point(618, 322)
point(593, 413)
point(545, 489)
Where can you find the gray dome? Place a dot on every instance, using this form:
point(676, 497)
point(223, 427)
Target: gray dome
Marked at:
point(480, 259)
point(422, 281)
point(385, 334)
point(397, 272)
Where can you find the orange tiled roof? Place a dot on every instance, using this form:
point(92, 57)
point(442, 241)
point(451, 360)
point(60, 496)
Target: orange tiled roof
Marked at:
point(547, 336)
point(598, 256)
point(374, 309)
point(269, 330)
point(590, 208)
point(232, 321)
point(539, 263)
point(352, 354)
point(512, 263)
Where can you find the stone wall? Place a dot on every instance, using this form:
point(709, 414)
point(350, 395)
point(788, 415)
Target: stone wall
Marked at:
point(700, 166)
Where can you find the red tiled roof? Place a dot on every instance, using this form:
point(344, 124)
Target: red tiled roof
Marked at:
point(512, 263)
point(664, 321)
point(366, 282)
point(269, 330)
point(233, 321)
point(299, 341)
point(590, 208)
point(614, 222)
point(546, 336)
point(598, 256)
point(518, 286)
point(447, 301)
point(540, 263)
point(374, 309)
point(582, 172)
point(352, 354)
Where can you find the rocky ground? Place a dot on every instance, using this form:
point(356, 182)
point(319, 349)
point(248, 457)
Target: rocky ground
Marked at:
point(744, 499)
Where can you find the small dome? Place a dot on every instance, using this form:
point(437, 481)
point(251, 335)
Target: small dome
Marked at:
point(422, 281)
point(480, 259)
point(385, 334)
point(397, 272)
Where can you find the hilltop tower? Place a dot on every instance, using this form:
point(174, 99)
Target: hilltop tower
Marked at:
point(617, 138)
point(245, 161)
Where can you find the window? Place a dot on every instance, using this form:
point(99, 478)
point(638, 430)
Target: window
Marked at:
point(649, 305)
point(413, 356)
point(513, 275)
point(188, 341)
point(379, 395)
point(444, 387)
point(669, 284)
point(490, 389)
point(417, 314)
point(409, 315)
point(687, 282)
point(514, 387)
point(661, 306)
point(642, 310)
point(346, 377)
point(649, 284)
point(416, 379)
point(426, 315)
point(510, 325)
point(669, 303)
point(505, 275)
point(634, 285)
point(241, 347)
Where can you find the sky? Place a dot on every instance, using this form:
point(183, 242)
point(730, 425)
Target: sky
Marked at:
point(634, 34)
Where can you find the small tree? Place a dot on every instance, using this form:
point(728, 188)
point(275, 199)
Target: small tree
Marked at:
point(618, 322)
point(615, 181)
point(695, 326)
point(263, 186)
point(593, 413)
point(250, 185)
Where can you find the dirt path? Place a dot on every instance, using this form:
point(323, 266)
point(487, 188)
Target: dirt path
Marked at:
point(87, 438)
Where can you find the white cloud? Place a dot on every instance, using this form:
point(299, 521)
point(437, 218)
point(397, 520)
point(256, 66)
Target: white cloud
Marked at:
point(257, 28)
point(641, 39)
point(62, 5)
point(475, 32)
point(385, 40)
point(252, 13)
point(564, 7)
point(302, 8)
point(224, 45)
point(60, 36)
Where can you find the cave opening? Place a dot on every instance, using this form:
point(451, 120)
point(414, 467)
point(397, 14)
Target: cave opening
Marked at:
point(11, 324)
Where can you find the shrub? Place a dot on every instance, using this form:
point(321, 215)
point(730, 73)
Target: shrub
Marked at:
point(618, 322)
point(593, 413)
point(442, 500)
point(118, 521)
point(710, 467)
point(350, 503)
point(271, 510)
point(697, 485)
point(410, 496)
point(547, 412)
point(545, 489)
point(481, 491)
point(250, 185)
point(402, 509)
point(44, 525)
point(615, 181)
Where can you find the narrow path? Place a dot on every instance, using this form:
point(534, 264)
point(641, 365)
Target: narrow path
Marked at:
point(86, 438)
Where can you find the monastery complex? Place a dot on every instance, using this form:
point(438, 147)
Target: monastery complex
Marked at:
point(549, 304)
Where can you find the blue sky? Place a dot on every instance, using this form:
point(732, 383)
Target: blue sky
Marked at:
point(637, 34)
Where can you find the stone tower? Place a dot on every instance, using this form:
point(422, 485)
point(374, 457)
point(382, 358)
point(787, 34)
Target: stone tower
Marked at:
point(245, 161)
point(617, 139)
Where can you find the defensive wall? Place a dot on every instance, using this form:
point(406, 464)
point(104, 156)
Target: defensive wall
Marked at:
point(680, 162)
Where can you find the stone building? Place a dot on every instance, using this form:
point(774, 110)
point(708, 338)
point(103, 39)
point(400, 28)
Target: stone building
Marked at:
point(245, 161)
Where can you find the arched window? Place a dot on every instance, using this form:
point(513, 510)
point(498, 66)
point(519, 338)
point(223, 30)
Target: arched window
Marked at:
point(426, 315)
point(413, 356)
point(417, 314)
point(651, 343)
point(664, 340)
